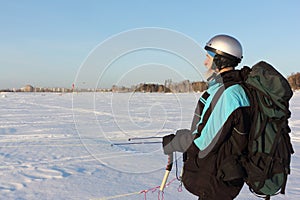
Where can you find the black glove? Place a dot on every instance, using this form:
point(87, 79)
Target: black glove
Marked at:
point(179, 142)
point(167, 146)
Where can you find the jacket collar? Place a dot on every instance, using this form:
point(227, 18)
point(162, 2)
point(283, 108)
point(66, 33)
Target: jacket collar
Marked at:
point(229, 76)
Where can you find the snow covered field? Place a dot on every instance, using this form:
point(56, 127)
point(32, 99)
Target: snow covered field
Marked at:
point(58, 146)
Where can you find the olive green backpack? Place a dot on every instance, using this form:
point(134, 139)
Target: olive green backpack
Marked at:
point(267, 162)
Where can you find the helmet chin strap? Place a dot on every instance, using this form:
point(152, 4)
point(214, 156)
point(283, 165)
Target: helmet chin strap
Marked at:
point(225, 69)
point(212, 76)
point(211, 73)
point(214, 66)
point(220, 69)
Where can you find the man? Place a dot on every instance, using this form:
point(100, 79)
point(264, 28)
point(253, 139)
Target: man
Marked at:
point(218, 135)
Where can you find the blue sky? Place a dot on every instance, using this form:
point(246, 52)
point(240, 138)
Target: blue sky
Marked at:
point(44, 43)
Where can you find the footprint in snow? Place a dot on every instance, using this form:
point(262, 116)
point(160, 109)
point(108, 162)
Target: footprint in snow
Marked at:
point(10, 187)
point(36, 173)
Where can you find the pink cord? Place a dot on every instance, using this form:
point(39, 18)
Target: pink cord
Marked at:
point(160, 193)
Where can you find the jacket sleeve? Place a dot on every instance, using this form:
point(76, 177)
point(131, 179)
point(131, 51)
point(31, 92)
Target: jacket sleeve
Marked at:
point(183, 138)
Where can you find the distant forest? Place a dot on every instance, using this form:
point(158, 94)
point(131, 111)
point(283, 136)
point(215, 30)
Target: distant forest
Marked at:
point(187, 86)
point(168, 86)
point(294, 81)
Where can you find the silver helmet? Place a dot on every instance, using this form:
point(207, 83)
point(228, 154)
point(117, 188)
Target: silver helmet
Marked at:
point(226, 46)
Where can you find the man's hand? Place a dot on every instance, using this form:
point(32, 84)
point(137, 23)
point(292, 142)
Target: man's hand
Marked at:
point(167, 146)
point(179, 142)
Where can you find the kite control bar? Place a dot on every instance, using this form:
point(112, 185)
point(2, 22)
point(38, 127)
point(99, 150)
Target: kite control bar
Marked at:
point(138, 140)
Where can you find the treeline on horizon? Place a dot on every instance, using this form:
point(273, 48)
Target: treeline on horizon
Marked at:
point(169, 86)
point(186, 86)
point(294, 81)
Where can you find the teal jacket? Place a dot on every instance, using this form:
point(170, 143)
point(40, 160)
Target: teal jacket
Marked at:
point(232, 98)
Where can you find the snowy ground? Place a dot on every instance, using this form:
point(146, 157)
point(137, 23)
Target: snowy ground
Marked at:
point(58, 146)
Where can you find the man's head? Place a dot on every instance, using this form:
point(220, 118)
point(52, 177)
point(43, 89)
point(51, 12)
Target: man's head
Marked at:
point(223, 51)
